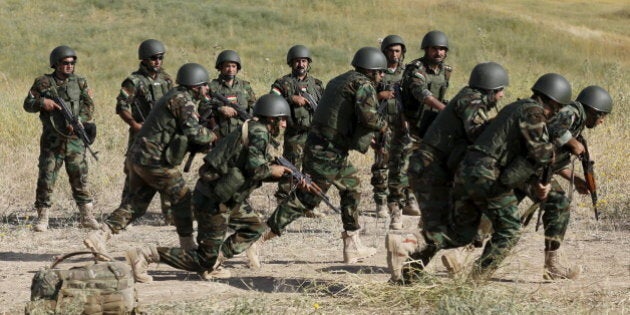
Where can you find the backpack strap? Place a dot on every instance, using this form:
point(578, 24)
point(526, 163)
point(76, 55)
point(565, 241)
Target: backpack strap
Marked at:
point(66, 256)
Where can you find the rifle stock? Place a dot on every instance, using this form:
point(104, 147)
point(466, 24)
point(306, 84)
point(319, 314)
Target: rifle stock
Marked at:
point(589, 174)
point(77, 127)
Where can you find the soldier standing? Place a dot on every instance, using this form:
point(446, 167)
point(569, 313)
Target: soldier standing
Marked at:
point(58, 143)
point(510, 151)
point(299, 89)
point(235, 167)
point(171, 129)
point(139, 93)
point(234, 90)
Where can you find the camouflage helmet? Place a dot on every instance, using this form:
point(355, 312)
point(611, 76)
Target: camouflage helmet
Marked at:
point(553, 86)
point(228, 56)
point(393, 40)
point(61, 52)
point(298, 51)
point(488, 76)
point(150, 47)
point(434, 39)
point(369, 58)
point(192, 74)
point(271, 105)
point(596, 98)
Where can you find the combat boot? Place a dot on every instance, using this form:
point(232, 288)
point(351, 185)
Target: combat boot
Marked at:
point(86, 219)
point(187, 243)
point(554, 270)
point(314, 214)
point(399, 250)
point(139, 258)
point(396, 216)
point(452, 262)
point(41, 223)
point(217, 272)
point(96, 241)
point(412, 208)
point(353, 249)
point(382, 211)
point(253, 252)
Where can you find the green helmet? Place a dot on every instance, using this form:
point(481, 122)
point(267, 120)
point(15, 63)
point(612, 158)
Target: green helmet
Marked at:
point(369, 58)
point(488, 76)
point(228, 56)
point(192, 74)
point(393, 40)
point(150, 47)
point(61, 52)
point(271, 105)
point(298, 51)
point(434, 39)
point(596, 98)
point(555, 87)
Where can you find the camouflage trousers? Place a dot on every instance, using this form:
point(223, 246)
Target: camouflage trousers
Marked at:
point(164, 201)
point(389, 171)
point(144, 182)
point(213, 220)
point(292, 150)
point(54, 152)
point(327, 166)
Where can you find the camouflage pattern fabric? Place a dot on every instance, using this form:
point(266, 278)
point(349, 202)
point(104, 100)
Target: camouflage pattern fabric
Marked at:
point(240, 93)
point(56, 146)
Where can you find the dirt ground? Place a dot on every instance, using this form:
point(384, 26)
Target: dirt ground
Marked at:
point(310, 254)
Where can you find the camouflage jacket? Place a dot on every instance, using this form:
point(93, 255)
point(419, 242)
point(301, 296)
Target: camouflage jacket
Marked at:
point(568, 123)
point(420, 81)
point(75, 92)
point(170, 128)
point(139, 92)
point(289, 85)
point(392, 107)
point(240, 93)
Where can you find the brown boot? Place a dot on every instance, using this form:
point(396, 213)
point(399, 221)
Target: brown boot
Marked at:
point(412, 208)
point(87, 220)
point(187, 243)
point(96, 241)
point(382, 211)
point(399, 248)
point(41, 223)
point(554, 270)
point(217, 272)
point(139, 258)
point(353, 249)
point(253, 252)
point(396, 216)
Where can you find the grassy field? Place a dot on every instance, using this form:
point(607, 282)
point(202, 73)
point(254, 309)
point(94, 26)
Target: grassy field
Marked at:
point(586, 41)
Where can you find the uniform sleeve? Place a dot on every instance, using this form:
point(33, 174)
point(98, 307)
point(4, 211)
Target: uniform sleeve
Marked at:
point(34, 100)
point(277, 88)
point(257, 164)
point(251, 99)
point(534, 131)
point(366, 108)
point(474, 117)
point(561, 124)
point(185, 112)
point(126, 96)
point(418, 85)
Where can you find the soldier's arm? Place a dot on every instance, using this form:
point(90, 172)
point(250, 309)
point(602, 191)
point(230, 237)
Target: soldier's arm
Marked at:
point(86, 111)
point(420, 91)
point(251, 99)
point(124, 102)
point(533, 128)
point(560, 130)
point(366, 108)
point(257, 166)
point(185, 111)
point(474, 117)
point(34, 101)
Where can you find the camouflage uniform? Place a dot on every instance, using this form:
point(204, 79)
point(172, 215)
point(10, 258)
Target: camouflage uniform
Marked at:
point(300, 120)
point(433, 165)
point(241, 165)
point(169, 131)
point(239, 93)
point(138, 94)
point(56, 146)
point(345, 120)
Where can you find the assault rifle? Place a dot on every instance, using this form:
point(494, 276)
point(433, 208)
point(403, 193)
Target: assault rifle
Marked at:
point(77, 126)
point(311, 100)
point(299, 176)
point(242, 114)
point(589, 174)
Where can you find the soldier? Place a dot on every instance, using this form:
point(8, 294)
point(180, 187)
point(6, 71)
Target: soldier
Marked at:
point(393, 148)
point(345, 120)
point(424, 83)
point(236, 91)
point(58, 143)
point(171, 129)
point(237, 165)
point(139, 92)
point(299, 89)
point(510, 151)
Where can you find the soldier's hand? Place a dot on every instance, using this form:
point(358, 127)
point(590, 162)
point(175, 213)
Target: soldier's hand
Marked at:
point(50, 105)
point(135, 126)
point(542, 191)
point(299, 100)
point(385, 95)
point(69, 129)
point(277, 171)
point(580, 185)
point(576, 147)
point(227, 111)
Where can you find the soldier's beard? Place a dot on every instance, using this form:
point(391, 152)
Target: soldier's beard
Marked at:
point(227, 77)
point(299, 71)
point(278, 133)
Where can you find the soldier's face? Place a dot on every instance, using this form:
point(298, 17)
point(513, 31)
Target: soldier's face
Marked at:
point(155, 62)
point(594, 118)
point(497, 95)
point(393, 54)
point(201, 91)
point(299, 66)
point(229, 68)
point(65, 66)
point(436, 54)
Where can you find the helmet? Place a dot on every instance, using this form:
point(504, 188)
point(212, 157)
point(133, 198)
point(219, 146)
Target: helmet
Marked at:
point(555, 87)
point(61, 52)
point(488, 76)
point(393, 40)
point(369, 58)
point(298, 51)
point(596, 98)
point(434, 39)
point(192, 74)
point(271, 105)
point(230, 56)
point(150, 47)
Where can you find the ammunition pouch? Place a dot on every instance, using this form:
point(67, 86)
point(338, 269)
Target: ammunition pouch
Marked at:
point(176, 150)
point(90, 131)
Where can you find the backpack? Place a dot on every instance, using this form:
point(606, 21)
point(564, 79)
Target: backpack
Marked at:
point(99, 288)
